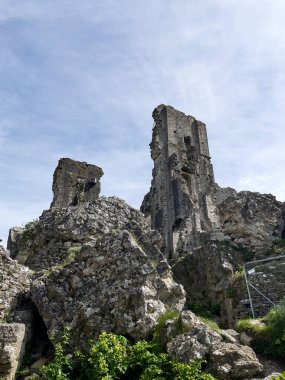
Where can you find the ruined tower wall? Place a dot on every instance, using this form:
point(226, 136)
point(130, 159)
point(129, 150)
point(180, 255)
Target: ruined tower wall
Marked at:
point(75, 182)
point(179, 197)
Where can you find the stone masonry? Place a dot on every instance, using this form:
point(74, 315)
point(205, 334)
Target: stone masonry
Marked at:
point(75, 182)
point(180, 195)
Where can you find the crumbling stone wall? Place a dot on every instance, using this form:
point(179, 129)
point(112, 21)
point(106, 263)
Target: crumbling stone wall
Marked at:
point(180, 195)
point(75, 182)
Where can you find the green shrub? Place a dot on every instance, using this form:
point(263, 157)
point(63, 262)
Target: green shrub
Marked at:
point(61, 366)
point(268, 332)
point(107, 358)
point(113, 357)
point(251, 326)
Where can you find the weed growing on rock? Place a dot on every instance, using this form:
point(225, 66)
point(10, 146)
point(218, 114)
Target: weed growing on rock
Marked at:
point(113, 357)
point(268, 332)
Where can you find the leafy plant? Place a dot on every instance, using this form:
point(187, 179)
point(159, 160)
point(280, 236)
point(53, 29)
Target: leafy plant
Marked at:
point(61, 366)
point(107, 358)
point(113, 357)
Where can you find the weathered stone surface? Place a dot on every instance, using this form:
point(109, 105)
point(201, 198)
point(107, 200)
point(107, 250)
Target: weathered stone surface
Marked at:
point(13, 240)
point(233, 361)
point(179, 202)
point(75, 182)
point(14, 285)
point(12, 345)
point(59, 231)
point(205, 272)
point(119, 283)
point(208, 232)
point(195, 344)
point(226, 358)
point(37, 365)
point(251, 220)
point(185, 204)
point(102, 262)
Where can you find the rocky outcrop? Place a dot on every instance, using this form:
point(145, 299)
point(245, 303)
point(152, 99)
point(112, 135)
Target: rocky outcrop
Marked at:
point(14, 286)
point(206, 271)
point(60, 231)
point(119, 282)
point(99, 266)
point(12, 346)
point(75, 182)
point(226, 357)
point(250, 220)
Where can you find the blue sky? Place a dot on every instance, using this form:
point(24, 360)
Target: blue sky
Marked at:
point(80, 80)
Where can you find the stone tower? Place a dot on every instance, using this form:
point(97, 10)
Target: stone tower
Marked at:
point(180, 202)
point(75, 182)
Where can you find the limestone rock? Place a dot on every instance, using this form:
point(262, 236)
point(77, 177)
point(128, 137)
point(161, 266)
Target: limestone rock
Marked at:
point(205, 272)
point(14, 285)
point(99, 267)
point(75, 182)
point(12, 344)
point(233, 361)
point(37, 365)
point(225, 359)
point(119, 283)
point(195, 344)
point(250, 220)
point(60, 232)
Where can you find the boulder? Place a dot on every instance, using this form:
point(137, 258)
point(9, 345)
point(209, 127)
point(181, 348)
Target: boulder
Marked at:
point(195, 344)
point(234, 361)
point(106, 272)
point(226, 358)
point(251, 220)
point(12, 346)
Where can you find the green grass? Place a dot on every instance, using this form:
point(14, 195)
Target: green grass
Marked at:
point(250, 326)
point(168, 315)
point(268, 332)
point(211, 323)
